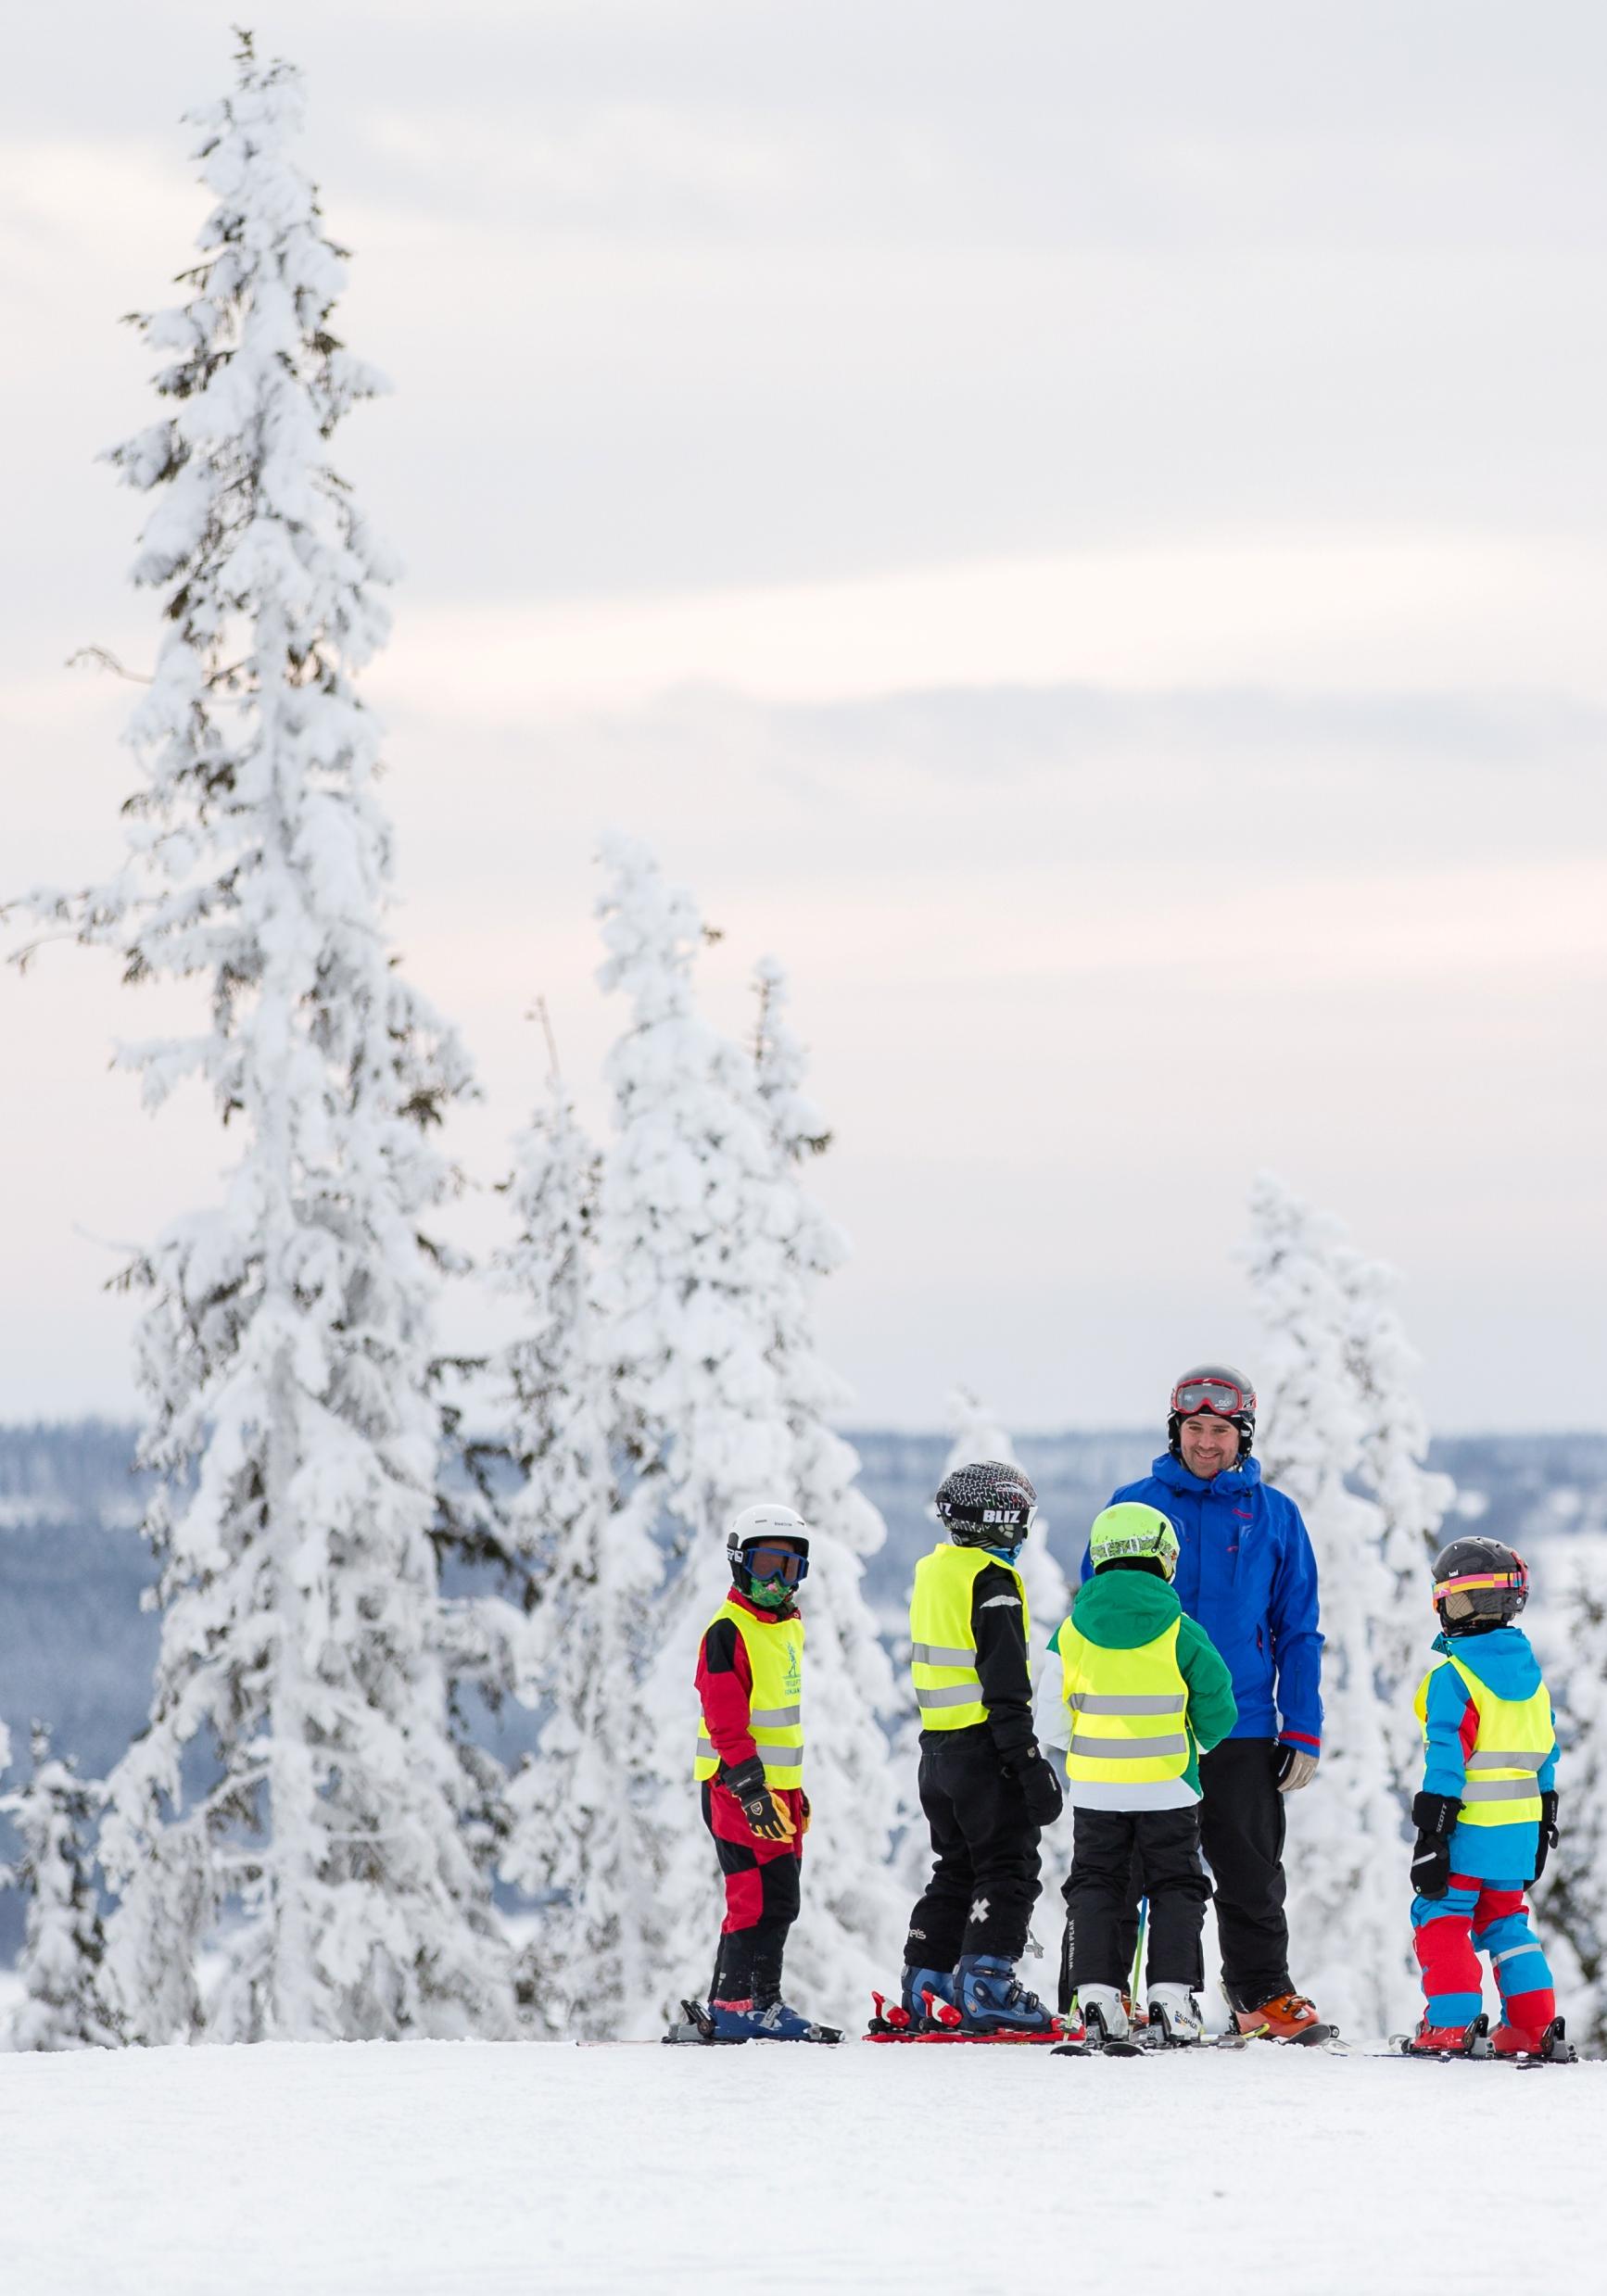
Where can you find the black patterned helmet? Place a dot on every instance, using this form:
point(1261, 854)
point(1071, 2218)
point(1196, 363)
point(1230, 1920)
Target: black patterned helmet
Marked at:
point(987, 1504)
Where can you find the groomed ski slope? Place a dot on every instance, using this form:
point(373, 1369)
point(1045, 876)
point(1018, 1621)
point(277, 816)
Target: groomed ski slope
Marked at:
point(424, 2169)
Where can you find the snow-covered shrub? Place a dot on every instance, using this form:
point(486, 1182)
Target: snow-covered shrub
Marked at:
point(63, 1945)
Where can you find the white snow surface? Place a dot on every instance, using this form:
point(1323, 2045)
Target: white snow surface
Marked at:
point(431, 2167)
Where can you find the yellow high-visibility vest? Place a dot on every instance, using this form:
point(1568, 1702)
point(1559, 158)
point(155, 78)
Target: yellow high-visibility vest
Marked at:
point(943, 1647)
point(1514, 1737)
point(1128, 1710)
point(775, 1703)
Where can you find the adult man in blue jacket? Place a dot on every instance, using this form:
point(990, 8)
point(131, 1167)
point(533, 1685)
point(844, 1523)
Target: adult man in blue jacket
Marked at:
point(1246, 1572)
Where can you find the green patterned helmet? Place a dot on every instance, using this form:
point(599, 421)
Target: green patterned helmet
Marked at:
point(1134, 1532)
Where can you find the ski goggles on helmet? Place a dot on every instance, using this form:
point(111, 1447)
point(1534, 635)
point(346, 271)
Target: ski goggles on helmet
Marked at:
point(774, 1565)
point(1468, 1594)
point(1221, 1396)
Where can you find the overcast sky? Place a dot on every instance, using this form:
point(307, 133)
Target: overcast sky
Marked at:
point(1082, 529)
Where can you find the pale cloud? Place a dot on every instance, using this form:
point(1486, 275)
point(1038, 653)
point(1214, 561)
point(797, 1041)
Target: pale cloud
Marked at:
point(1062, 538)
point(1412, 613)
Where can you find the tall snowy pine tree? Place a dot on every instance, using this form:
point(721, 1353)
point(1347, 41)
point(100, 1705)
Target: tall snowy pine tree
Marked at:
point(710, 1253)
point(853, 1904)
point(1346, 1858)
point(690, 1234)
point(574, 1840)
point(294, 1802)
point(1571, 1896)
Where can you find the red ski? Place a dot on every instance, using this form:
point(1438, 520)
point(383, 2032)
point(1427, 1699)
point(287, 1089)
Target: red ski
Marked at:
point(896, 2024)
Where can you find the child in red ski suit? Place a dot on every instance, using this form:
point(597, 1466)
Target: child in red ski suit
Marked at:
point(750, 1766)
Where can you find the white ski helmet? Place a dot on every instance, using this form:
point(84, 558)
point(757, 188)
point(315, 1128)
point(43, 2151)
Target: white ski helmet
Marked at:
point(768, 1519)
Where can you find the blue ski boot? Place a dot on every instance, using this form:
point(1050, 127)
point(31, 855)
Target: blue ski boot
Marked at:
point(769, 2021)
point(991, 1999)
point(917, 1984)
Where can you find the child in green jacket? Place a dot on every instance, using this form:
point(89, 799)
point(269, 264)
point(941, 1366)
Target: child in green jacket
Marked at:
point(1134, 1692)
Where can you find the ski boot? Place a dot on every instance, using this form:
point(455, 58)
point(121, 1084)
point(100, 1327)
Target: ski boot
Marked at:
point(1103, 2012)
point(1100, 2026)
point(928, 2000)
point(1175, 2016)
point(1286, 2017)
point(1522, 2045)
point(991, 1999)
point(765, 2021)
point(1449, 2040)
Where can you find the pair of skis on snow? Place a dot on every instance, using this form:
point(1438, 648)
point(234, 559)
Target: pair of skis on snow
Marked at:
point(1475, 2048)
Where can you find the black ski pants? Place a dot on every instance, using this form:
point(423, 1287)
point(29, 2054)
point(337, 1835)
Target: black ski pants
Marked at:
point(1113, 1851)
point(1242, 1826)
point(984, 1880)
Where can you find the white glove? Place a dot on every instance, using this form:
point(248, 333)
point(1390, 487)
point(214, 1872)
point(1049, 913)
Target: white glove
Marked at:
point(1301, 1770)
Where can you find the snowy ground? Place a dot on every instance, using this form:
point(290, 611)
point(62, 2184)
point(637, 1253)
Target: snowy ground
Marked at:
point(427, 2169)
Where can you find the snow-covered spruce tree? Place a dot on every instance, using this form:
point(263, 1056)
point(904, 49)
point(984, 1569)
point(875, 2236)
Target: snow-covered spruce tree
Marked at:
point(312, 1836)
point(1571, 1896)
point(63, 1946)
point(1346, 1858)
point(1412, 1497)
point(853, 1905)
point(574, 1840)
point(693, 1239)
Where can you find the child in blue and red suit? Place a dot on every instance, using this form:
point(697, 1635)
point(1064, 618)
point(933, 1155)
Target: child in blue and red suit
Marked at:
point(1486, 1814)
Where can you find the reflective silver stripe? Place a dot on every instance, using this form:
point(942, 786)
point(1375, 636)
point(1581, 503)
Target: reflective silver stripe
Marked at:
point(933, 1654)
point(1501, 1790)
point(961, 1694)
point(1126, 1750)
point(1512, 1952)
point(779, 1756)
point(775, 1717)
point(1108, 1702)
point(1527, 1758)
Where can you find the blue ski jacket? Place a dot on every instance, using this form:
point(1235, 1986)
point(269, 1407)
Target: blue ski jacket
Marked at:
point(1247, 1573)
point(1504, 1662)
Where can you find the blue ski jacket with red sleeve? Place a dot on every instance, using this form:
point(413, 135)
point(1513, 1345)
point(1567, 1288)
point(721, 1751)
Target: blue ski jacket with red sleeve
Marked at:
point(1247, 1573)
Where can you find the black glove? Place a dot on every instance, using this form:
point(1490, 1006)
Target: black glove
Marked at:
point(1040, 1786)
point(1434, 1815)
point(1549, 1835)
point(769, 1819)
